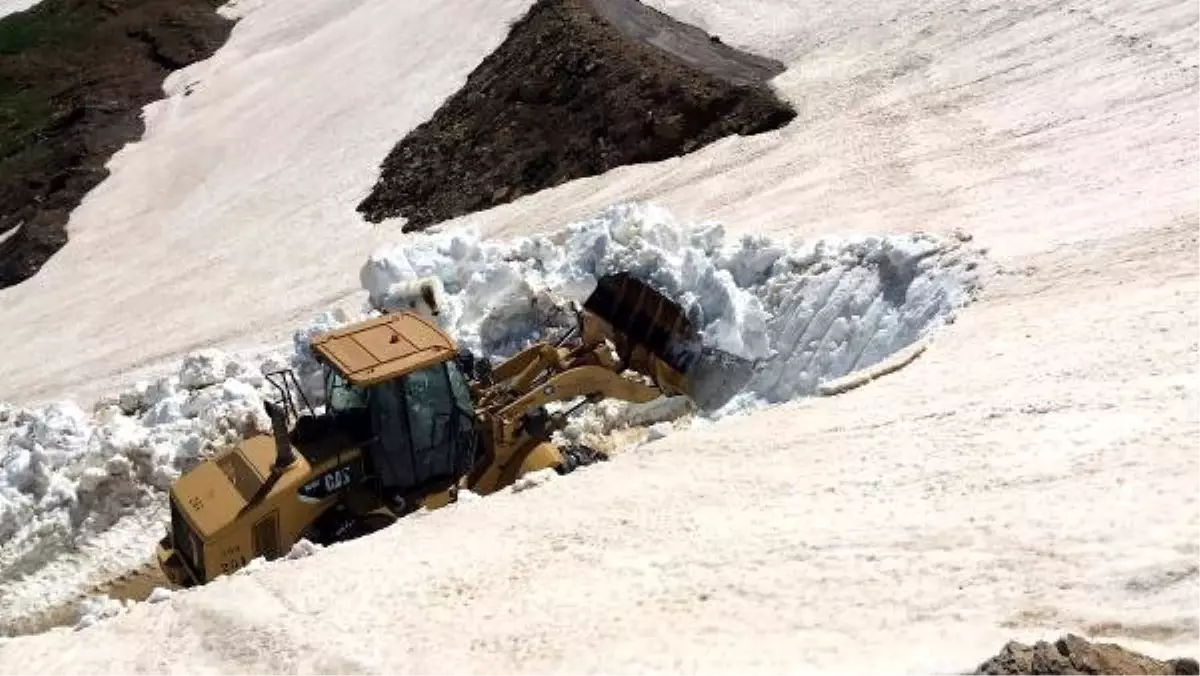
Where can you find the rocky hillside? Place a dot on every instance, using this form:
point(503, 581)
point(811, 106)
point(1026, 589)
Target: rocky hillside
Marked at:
point(74, 75)
point(578, 87)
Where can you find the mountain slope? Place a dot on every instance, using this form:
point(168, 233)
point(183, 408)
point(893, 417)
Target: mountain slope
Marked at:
point(1032, 473)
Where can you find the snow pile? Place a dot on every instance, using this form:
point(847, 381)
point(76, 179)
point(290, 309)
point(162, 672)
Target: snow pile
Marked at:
point(82, 496)
point(806, 311)
point(304, 362)
point(612, 426)
point(69, 478)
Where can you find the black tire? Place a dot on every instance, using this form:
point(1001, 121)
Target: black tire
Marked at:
point(578, 455)
point(338, 524)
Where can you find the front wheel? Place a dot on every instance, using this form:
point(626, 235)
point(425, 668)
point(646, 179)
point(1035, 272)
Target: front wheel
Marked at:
point(339, 524)
point(578, 455)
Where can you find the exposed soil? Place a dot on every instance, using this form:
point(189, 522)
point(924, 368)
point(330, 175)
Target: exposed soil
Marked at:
point(1072, 654)
point(578, 87)
point(74, 76)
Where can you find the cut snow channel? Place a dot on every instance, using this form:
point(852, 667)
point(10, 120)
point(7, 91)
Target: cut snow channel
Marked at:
point(82, 495)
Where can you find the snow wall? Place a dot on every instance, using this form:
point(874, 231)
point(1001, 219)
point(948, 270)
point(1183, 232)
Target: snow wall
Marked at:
point(82, 495)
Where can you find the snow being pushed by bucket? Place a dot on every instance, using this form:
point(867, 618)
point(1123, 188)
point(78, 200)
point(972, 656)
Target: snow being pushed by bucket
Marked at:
point(805, 311)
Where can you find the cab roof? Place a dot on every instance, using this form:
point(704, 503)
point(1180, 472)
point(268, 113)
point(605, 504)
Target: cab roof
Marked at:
point(384, 348)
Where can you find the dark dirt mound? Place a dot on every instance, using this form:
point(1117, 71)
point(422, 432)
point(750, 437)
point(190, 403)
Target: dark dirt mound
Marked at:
point(578, 87)
point(74, 76)
point(1075, 655)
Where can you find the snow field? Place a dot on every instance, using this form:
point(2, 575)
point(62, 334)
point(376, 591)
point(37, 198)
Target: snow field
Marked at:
point(71, 481)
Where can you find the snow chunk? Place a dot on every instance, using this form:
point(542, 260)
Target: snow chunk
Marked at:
point(534, 479)
point(201, 369)
point(243, 372)
point(302, 549)
point(466, 496)
point(96, 608)
point(255, 564)
point(425, 296)
point(134, 400)
point(159, 594)
point(658, 431)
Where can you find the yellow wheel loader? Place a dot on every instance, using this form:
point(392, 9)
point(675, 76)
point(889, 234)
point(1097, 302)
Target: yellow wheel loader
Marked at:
point(409, 421)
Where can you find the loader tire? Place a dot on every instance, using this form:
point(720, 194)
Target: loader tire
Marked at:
point(338, 524)
point(578, 455)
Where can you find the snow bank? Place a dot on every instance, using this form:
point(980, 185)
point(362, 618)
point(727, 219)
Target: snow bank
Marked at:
point(68, 479)
point(73, 483)
point(808, 312)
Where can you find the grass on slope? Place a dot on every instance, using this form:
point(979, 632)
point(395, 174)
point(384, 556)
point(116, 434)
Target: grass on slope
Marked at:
point(74, 76)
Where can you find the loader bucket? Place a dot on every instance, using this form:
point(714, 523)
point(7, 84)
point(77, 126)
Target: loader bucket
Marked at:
point(642, 316)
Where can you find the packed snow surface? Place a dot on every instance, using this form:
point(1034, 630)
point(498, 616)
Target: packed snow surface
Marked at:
point(1033, 472)
point(73, 482)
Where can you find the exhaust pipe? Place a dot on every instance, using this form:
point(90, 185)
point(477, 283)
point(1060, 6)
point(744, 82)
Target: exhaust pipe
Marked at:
point(284, 455)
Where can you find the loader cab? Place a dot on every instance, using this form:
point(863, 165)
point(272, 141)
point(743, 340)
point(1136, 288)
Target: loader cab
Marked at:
point(419, 428)
point(394, 385)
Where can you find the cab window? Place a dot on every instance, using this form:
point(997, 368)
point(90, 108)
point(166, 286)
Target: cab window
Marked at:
point(430, 405)
point(341, 396)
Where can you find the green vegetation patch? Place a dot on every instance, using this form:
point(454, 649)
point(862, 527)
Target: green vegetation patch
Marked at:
point(74, 77)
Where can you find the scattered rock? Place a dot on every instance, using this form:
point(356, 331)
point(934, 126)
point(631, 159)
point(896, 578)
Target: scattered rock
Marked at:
point(1075, 655)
